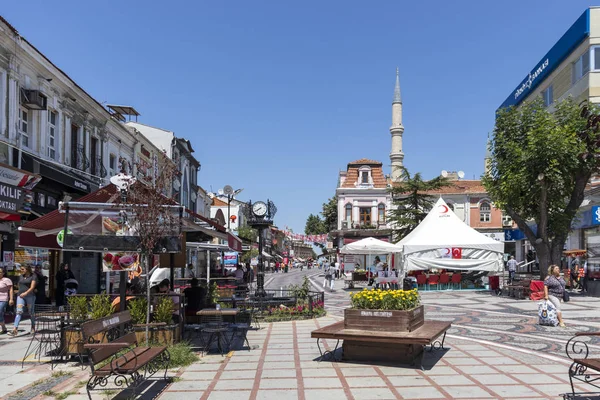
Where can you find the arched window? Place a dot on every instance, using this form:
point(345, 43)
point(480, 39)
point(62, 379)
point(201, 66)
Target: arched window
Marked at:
point(485, 211)
point(381, 212)
point(348, 212)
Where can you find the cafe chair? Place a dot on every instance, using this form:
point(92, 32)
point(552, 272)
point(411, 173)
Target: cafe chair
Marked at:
point(433, 280)
point(421, 281)
point(216, 331)
point(242, 324)
point(456, 280)
point(444, 280)
point(47, 339)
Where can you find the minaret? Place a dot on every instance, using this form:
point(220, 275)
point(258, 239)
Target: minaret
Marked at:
point(396, 130)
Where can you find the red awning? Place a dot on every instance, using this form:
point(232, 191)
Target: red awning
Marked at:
point(234, 242)
point(41, 232)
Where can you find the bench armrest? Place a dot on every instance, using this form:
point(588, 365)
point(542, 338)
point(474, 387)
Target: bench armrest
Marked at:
point(587, 334)
point(100, 345)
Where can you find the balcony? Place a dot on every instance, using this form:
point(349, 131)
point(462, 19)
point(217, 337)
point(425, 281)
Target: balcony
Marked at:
point(78, 158)
point(98, 168)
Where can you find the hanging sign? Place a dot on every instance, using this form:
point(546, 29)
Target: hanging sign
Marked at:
point(120, 261)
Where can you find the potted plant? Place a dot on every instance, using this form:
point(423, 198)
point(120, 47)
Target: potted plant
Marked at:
point(78, 314)
point(163, 313)
point(385, 310)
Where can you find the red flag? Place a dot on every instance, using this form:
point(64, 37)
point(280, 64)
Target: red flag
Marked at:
point(456, 253)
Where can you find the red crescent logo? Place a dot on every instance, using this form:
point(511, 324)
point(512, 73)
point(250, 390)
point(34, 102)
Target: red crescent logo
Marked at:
point(447, 251)
point(445, 209)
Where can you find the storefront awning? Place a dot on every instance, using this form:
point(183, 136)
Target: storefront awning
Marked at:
point(234, 242)
point(266, 255)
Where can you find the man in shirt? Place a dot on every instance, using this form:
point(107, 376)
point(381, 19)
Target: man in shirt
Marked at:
point(512, 268)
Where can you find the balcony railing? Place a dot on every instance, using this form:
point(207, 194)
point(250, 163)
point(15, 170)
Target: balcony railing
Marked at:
point(98, 168)
point(78, 158)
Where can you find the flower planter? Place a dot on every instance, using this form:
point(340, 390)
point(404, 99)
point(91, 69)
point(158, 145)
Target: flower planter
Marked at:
point(166, 335)
point(73, 340)
point(384, 320)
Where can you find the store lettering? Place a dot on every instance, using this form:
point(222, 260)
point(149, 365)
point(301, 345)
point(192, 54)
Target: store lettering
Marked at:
point(80, 185)
point(7, 205)
point(386, 314)
point(532, 77)
point(10, 192)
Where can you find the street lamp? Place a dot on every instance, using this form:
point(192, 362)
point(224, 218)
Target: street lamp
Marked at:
point(228, 190)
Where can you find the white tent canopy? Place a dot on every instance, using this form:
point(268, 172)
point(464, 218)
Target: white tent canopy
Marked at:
point(370, 246)
point(442, 240)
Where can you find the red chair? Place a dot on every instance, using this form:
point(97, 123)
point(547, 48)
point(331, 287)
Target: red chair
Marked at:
point(433, 280)
point(421, 280)
point(456, 279)
point(444, 280)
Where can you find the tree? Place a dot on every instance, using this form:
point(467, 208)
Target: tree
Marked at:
point(315, 225)
point(248, 233)
point(330, 214)
point(411, 203)
point(152, 215)
point(541, 162)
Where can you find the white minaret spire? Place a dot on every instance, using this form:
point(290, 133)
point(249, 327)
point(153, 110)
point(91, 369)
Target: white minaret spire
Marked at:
point(396, 130)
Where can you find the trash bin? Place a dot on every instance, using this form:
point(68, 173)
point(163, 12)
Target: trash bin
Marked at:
point(494, 282)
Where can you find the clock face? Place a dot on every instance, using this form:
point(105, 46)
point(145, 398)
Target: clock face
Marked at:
point(259, 209)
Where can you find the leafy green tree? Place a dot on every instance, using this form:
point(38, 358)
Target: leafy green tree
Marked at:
point(315, 225)
point(248, 233)
point(330, 214)
point(541, 162)
point(411, 203)
point(249, 255)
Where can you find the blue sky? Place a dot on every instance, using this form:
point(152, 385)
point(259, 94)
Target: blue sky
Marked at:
point(277, 97)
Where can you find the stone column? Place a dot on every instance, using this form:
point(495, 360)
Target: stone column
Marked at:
point(67, 135)
point(374, 215)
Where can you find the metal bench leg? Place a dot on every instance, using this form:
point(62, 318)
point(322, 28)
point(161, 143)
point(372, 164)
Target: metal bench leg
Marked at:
point(438, 345)
point(330, 353)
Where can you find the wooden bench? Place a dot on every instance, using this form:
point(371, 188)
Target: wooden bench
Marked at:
point(113, 353)
point(584, 368)
point(369, 345)
point(520, 290)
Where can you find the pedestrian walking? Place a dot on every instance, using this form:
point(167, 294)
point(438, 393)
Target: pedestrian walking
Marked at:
point(63, 274)
point(6, 297)
point(25, 297)
point(512, 269)
point(328, 281)
point(337, 270)
point(554, 289)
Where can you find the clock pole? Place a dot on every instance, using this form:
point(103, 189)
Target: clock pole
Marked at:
point(260, 216)
point(260, 278)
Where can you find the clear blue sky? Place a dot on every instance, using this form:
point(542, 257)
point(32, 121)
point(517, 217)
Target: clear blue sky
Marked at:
point(277, 96)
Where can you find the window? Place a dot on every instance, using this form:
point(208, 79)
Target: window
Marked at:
point(112, 161)
point(451, 206)
point(485, 212)
point(381, 213)
point(596, 51)
point(51, 201)
point(52, 117)
point(348, 212)
point(24, 126)
point(580, 67)
point(41, 201)
point(364, 177)
point(547, 96)
point(365, 215)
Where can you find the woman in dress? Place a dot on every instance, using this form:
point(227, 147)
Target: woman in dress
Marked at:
point(554, 288)
point(25, 297)
point(6, 297)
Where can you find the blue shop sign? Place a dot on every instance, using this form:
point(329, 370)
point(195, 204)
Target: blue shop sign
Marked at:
point(596, 215)
point(565, 45)
point(511, 235)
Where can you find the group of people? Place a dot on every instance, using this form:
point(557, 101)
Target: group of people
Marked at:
point(25, 297)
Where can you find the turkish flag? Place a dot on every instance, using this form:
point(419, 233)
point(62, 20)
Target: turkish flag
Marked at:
point(456, 253)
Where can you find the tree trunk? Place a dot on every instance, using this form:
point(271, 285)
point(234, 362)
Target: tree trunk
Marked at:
point(148, 268)
point(545, 258)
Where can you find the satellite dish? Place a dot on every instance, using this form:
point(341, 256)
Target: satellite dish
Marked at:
point(228, 190)
point(444, 173)
point(122, 181)
point(461, 174)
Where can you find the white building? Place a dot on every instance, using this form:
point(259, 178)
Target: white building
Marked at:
point(180, 151)
point(223, 211)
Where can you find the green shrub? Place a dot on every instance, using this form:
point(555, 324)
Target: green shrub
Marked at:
point(182, 355)
point(101, 306)
point(138, 309)
point(79, 308)
point(163, 312)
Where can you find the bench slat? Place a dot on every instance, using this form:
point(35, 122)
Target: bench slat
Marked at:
point(427, 333)
point(593, 363)
point(138, 358)
point(108, 351)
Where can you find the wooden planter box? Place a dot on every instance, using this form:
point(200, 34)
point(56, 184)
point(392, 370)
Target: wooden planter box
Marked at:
point(166, 335)
point(73, 340)
point(359, 276)
point(384, 320)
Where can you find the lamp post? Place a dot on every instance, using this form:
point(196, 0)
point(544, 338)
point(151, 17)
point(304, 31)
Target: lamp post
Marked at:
point(228, 190)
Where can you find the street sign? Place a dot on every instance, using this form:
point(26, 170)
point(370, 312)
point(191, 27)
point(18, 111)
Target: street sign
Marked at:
point(596, 215)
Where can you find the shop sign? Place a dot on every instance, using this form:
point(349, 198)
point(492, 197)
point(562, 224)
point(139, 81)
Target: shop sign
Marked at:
point(9, 259)
point(68, 180)
point(596, 215)
point(230, 258)
point(18, 178)
point(557, 54)
point(497, 236)
point(11, 198)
